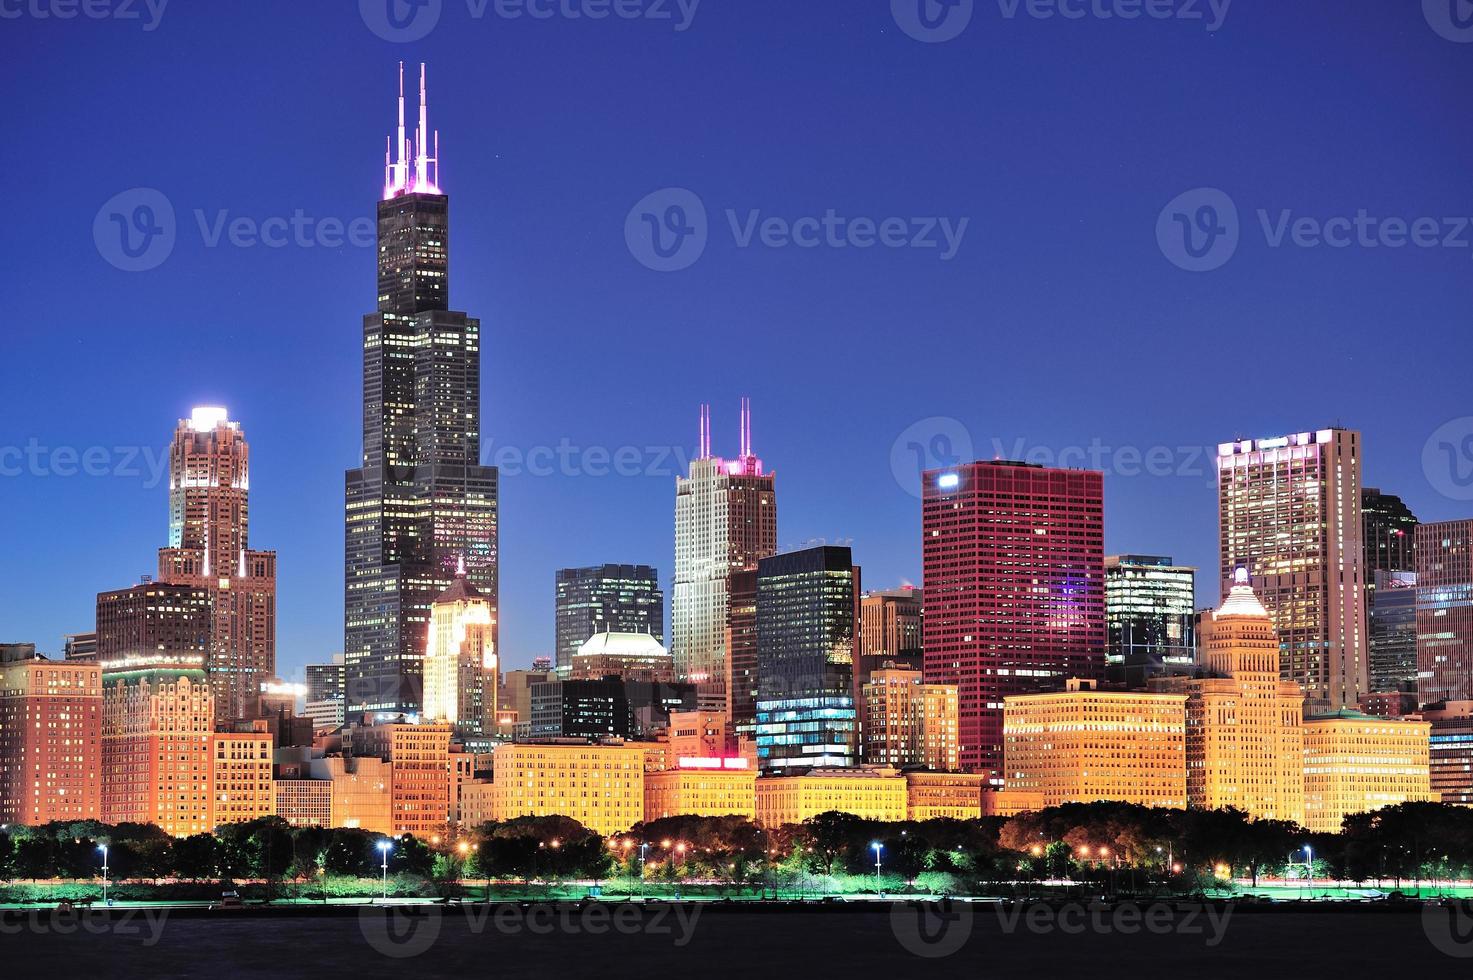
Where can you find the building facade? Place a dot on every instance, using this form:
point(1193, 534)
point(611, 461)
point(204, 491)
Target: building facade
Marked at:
point(725, 521)
point(890, 627)
point(50, 739)
point(461, 670)
point(807, 642)
point(907, 722)
point(420, 503)
point(949, 795)
point(1392, 621)
point(1082, 745)
point(1245, 737)
point(702, 788)
point(1445, 611)
point(1290, 513)
point(241, 785)
point(209, 548)
point(870, 792)
point(1354, 763)
point(606, 599)
point(1013, 558)
point(600, 786)
point(158, 750)
point(1150, 618)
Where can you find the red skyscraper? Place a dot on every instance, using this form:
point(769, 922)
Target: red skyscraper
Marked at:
point(1013, 558)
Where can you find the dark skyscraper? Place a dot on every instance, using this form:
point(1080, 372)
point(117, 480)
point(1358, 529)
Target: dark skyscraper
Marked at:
point(421, 502)
point(1445, 612)
point(1390, 533)
point(1013, 557)
point(606, 599)
point(1150, 613)
point(1390, 541)
point(807, 642)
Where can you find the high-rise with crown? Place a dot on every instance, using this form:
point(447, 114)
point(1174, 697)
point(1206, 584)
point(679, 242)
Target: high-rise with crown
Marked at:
point(421, 502)
point(1290, 513)
point(209, 548)
point(725, 521)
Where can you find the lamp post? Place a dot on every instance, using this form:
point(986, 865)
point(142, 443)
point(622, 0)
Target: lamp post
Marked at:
point(879, 849)
point(103, 849)
point(642, 848)
point(1309, 868)
point(385, 848)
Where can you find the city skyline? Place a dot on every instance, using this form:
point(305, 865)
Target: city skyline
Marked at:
point(514, 231)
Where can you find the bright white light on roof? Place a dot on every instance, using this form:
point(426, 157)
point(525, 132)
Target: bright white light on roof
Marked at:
point(205, 418)
point(948, 481)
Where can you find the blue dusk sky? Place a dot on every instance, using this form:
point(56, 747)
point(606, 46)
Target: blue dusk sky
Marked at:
point(908, 231)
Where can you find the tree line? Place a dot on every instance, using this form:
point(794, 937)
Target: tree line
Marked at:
point(1102, 841)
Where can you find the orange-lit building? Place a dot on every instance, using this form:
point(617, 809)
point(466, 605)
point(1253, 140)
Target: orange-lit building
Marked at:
point(362, 796)
point(1354, 763)
point(1010, 802)
point(420, 773)
point(871, 792)
point(712, 787)
point(957, 795)
point(241, 784)
point(157, 751)
point(909, 723)
point(50, 740)
point(1083, 744)
point(305, 802)
point(1245, 736)
point(461, 673)
point(699, 735)
point(599, 785)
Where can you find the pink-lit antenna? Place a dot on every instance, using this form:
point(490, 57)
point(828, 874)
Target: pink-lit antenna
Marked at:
point(396, 174)
point(746, 437)
point(704, 451)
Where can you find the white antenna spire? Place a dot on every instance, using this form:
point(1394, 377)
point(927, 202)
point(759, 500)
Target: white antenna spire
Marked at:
point(421, 140)
point(399, 170)
point(705, 440)
point(746, 435)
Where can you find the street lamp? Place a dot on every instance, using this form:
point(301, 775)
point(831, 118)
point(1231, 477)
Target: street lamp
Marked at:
point(103, 849)
point(384, 848)
point(1309, 868)
point(879, 849)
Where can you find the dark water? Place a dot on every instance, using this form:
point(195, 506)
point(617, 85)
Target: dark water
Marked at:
point(859, 941)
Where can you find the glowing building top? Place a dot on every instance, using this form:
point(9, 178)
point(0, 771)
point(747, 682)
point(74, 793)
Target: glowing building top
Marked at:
point(746, 463)
point(411, 169)
point(1241, 599)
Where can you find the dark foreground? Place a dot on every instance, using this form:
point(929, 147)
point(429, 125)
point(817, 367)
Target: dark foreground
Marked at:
point(856, 941)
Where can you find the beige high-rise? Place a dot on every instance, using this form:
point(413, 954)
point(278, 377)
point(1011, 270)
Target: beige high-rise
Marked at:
point(1290, 513)
point(1245, 740)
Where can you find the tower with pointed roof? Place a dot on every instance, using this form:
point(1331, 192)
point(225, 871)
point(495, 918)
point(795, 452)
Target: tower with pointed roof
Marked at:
point(420, 501)
point(460, 664)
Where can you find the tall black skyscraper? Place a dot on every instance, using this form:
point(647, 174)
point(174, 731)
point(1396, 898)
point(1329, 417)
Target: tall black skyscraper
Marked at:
point(1390, 539)
point(421, 503)
point(606, 599)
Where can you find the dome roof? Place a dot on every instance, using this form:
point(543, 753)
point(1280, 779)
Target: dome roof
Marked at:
point(460, 590)
point(1241, 599)
point(622, 645)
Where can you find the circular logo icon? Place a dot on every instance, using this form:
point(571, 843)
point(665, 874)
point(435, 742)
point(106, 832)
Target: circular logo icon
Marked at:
point(1198, 231)
point(666, 231)
point(930, 444)
point(401, 20)
point(1450, 928)
point(1451, 19)
point(931, 930)
point(932, 21)
point(135, 231)
point(1447, 459)
point(400, 932)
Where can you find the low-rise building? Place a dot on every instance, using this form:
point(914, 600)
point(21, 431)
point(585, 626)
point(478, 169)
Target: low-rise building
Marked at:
point(601, 785)
point(1083, 744)
point(871, 792)
point(305, 802)
point(241, 782)
point(957, 795)
point(712, 787)
point(1354, 763)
